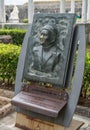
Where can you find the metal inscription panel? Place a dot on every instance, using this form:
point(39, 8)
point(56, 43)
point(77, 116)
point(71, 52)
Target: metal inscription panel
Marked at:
point(48, 49)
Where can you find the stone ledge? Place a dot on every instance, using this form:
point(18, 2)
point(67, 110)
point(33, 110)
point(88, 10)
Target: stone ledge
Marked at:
point(6, 110)
point(5, 106)
point(85, 127)
point(6, 93)
point(83, 111)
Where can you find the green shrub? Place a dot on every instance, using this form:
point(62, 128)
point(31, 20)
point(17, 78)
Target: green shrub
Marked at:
point(86, 79)
point(8, 61)
point(85, 91)
point(17, 34)
point(25, 20)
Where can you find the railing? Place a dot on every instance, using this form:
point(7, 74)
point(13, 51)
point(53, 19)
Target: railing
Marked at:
point(85, 9)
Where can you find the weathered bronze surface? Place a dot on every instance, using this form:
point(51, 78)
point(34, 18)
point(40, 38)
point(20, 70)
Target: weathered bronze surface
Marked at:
point(49, 48)
point(45, 101)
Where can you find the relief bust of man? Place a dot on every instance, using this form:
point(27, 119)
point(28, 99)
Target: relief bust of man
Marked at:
point(46, 56)
point(49, 47)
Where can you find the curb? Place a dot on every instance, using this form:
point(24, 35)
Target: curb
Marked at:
point(83, 111)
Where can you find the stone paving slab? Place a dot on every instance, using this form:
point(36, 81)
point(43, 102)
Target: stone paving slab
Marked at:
point(8, 122)
point(86, 121)
point(6, 93)
point(83, 111)
point(5, 102)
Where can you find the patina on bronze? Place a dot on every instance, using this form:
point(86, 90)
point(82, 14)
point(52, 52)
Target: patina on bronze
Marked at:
point(45, 69)
point(47, 58)
point(49, 49)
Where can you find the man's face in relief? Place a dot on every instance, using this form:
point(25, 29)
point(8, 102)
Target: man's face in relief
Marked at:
point(44, 36)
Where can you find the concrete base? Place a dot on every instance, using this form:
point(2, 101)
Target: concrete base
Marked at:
point(8, 122)
point(28, 123)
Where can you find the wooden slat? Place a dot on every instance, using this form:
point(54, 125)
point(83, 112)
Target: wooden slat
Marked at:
point(39, 103)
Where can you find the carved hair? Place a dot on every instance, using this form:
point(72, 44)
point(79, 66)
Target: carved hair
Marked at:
point(52, 32)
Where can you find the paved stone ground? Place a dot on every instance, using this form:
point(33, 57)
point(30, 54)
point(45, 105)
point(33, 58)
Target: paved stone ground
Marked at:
point(86, 121)
point(8, 122)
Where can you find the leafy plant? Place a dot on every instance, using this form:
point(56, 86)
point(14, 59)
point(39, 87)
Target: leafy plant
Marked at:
point(85, 91)
point(25, 20)
point(17, 34)
point(86, 80)
point(8, 62)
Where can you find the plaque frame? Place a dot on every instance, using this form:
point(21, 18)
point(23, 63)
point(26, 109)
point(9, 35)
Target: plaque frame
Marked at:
point(68, 21)
point(65, 116)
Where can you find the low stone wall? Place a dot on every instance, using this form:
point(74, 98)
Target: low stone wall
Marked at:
point(83, 111)
point(15, 25)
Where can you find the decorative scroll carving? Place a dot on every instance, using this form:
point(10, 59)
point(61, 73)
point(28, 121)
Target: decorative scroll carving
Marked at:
point(49, 48)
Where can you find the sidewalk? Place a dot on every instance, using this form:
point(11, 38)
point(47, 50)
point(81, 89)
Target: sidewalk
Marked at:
point(8, 122)
point(86, 121)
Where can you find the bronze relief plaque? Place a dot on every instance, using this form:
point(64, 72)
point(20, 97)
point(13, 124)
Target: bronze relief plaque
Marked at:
point(49, 47)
